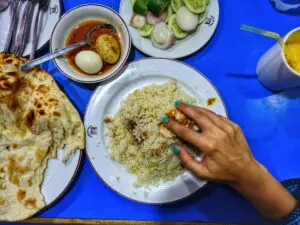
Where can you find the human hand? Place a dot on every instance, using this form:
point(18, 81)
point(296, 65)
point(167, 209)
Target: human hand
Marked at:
point(227, 155)
point(227, 158)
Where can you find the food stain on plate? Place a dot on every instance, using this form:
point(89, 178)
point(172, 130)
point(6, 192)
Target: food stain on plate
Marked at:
point(211, 101)
point(99, 58)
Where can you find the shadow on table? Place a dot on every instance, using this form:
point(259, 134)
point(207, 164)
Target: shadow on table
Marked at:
point(292, 93)
point(290, 118)
point(200, 205)
point(241, 75)
point(204, 192)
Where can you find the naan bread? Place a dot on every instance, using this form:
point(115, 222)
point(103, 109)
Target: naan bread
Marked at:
point(36, 118)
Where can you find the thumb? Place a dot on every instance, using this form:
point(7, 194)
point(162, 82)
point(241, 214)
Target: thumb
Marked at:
point(196, 167)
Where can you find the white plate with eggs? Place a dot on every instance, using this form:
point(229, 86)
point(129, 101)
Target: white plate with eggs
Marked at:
point(96, 63)
point(182, 48)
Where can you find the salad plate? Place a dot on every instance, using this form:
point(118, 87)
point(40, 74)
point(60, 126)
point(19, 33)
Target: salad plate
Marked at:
point(185, 44)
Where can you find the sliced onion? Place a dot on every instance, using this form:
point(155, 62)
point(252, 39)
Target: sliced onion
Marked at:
point(138, 21)
point(162, 37)
point(152, 19)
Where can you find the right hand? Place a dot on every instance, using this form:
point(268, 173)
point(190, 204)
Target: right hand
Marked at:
point(227, 158)
point(227, 155)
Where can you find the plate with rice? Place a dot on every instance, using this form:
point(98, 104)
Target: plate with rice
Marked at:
point(127, 144)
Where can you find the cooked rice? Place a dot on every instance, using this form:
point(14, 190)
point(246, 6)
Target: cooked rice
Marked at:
point(137, 138)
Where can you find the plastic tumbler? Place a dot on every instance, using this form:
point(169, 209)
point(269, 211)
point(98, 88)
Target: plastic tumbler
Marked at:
point(287, 6)
point(273, 69)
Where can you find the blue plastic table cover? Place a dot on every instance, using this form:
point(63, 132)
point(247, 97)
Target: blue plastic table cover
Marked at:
point(271, 122)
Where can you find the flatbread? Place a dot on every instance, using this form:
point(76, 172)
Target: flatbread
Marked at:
point(36, 118)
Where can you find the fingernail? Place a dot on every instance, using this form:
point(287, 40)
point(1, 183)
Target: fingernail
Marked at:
point(165, 120)
point(178, 102)
point(190, 104)
point(174, 149)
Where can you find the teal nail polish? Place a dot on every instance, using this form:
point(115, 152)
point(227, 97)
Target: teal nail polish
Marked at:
point(174, 149)
point(190, 104)
point(165, 120)
point(178, 102)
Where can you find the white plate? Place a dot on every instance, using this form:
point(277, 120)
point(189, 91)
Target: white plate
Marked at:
point(182, 48)
point(50, 18)
point(106, 101)
point(59, 176)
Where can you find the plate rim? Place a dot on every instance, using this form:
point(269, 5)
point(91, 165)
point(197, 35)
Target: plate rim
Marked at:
point(205, 182)
point(121, 66)
point(66, 189)
point(181, 55)
point(60, 14)
point(48, 41)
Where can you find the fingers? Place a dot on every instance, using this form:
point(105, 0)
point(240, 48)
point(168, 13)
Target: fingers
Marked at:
point(202, 120)
point(210, 114)
point(188, 162)
point(226, 120)
point(196, 139)
point(231, 126)
point(205, 115)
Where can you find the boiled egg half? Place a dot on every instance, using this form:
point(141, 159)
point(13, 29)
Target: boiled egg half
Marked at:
point(89, 62)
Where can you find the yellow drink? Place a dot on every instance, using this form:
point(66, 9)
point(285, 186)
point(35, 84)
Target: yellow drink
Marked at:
point(292, 51)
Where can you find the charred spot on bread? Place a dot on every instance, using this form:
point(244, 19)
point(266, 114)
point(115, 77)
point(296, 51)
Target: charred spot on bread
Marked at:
point(21, 195)
point(42, 112)
point(43, 89)
point(2, 201)
point(56, 114)
point(30, 203)
point(15, 170)
point(29, 118)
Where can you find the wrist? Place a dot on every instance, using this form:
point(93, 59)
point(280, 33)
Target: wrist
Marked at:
point(265, 192)
point(254, 176)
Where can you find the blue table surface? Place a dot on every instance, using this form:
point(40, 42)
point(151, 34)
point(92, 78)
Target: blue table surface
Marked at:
point(270, 122)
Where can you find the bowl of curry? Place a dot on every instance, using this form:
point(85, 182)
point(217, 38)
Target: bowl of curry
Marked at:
point(109, 48)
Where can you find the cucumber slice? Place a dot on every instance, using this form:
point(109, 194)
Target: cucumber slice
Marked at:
point(176, 4)
point(202, 17)
point(179, 34)
point(146, 30)
point(196, 6)
point(140, 7)
point(170, 13)
point(132, 2)
point(157, 7)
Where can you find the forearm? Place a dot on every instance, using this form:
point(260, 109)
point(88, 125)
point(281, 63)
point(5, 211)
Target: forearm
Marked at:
point(270, 198)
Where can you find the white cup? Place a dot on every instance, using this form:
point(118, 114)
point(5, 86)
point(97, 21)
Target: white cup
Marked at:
point(274, 72)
